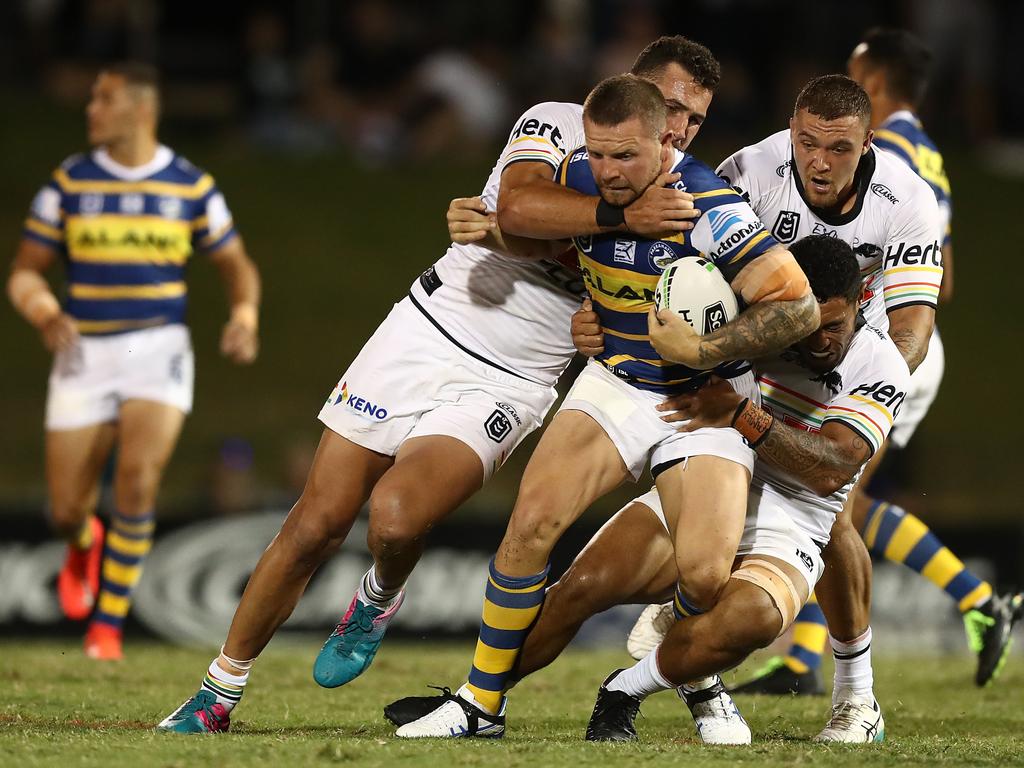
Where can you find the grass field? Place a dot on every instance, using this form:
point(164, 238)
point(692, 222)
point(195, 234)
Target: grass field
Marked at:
point(59, 709)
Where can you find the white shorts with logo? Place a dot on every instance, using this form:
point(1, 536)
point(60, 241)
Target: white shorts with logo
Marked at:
point(628, 416)
point(768, 531)
point(410, 381)
point(924, 386)
point(91, 379)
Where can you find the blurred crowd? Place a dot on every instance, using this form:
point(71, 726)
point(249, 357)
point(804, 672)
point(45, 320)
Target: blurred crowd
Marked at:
point(399, 80)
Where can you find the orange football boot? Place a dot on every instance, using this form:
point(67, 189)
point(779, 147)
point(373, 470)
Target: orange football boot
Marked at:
point(78, 583)
point(103, 642)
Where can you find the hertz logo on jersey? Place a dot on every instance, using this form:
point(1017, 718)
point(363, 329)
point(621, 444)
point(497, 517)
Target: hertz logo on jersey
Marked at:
point(914, 255)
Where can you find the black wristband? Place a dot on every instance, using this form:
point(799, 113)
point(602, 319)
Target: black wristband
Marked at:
point(609, 215)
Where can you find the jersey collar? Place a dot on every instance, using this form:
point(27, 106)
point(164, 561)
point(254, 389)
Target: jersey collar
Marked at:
point(861, 180)
point(161, 159)
point(903, 114)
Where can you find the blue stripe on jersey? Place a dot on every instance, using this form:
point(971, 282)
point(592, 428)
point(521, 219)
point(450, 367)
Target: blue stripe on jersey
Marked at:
point(918, 150)
point(172, 310)
point(122, 274)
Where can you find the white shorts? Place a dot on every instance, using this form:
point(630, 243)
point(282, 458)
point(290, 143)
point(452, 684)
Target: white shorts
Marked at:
point(924, 386)
point(628, 417)
point(769, 531)
point(91, 379)
point(410, 381)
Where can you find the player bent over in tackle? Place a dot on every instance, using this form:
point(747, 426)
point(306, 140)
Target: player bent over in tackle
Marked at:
point(607, 430)
point(630, 560)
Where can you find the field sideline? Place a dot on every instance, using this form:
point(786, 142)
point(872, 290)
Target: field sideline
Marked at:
point(60, 709)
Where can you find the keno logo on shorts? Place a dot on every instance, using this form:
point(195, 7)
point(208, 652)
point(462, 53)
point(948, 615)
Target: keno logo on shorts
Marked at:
point(498, 426)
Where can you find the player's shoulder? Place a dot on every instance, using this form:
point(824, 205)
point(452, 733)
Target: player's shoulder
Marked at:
point(896, 182)
point(575, 171)
point(181, 170)
point(550, 120)
point(80, 166)
point(768, 162)
point(873, 356)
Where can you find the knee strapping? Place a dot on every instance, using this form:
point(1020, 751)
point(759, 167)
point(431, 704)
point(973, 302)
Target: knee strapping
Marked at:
point(776, 583)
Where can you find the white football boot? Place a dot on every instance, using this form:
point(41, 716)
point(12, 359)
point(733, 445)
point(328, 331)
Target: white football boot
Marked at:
point(855, 720)
point(456, 718)
point(716, 715)
point(650, 629)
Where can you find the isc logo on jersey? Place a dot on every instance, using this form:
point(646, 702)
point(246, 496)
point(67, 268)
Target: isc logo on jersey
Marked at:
point(728, 229)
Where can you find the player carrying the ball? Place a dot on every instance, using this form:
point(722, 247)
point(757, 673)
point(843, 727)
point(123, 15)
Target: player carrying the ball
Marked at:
point(608, 430)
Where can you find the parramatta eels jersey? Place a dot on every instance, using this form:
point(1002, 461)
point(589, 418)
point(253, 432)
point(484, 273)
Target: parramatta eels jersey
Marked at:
point(512, 313)
point(621, 271)
point(903, 134)
point(892, 227)
point(864, 392)
point(125, 235)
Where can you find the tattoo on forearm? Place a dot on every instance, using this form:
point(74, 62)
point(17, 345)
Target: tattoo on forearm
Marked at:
point(811, 458)
point(764, 329)
point(911, 345)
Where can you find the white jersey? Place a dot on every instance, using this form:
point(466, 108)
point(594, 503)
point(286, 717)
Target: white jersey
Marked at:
point(512, 313)
point(864, 392)
point(892, 227)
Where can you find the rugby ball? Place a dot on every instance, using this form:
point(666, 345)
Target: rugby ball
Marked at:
point(694, 288)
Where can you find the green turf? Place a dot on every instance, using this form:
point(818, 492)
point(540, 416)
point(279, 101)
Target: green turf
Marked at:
point(59, 709)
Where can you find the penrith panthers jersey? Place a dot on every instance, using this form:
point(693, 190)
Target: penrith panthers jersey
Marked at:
point(512, 313)
point(864, 393)
point(892, 227)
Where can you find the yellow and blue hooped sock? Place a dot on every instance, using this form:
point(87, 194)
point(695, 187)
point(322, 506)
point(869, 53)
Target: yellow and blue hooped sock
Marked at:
point(682, 607)
point(900, 537)
point(510, 606)
point(129, 540)
point(810, 637)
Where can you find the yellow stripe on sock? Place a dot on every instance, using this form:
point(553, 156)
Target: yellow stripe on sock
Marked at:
point(132, 547)
point(114, 605)
point(120, 574)
point(508, 618)
point(977, 595)
point(942, 568)
point(796, 665)
point(872, 530)
point(494, 661)
point(517, 590)
point(906, 536)
point(489, 700)
point(813, 637)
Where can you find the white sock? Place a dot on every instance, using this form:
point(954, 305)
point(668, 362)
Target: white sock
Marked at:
point(370, 590)
point(225, 686)
point(642, 679)
point(853, 674)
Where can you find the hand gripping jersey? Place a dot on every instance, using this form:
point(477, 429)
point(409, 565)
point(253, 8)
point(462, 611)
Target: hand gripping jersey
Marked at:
point(864, 392)
point(621, 270)
point(892, 226)
point(511, 313)
point(125, 235)
point(903, 134)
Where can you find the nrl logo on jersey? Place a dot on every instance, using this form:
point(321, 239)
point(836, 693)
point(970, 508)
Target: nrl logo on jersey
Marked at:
point(786, 225)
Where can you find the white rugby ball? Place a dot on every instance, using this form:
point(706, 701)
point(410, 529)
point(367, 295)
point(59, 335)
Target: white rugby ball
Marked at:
point(694, 288)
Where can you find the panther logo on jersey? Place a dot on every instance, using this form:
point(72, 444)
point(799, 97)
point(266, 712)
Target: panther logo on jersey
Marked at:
point(786, 225)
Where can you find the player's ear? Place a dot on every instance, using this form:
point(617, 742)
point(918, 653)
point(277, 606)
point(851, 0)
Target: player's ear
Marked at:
point(867, 141)
point(667, 153)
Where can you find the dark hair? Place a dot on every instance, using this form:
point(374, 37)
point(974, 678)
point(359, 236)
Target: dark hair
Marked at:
point(833, 96)
point(830, 265)
point(135, 73)
point(617, 99)
point(905, 60)
point(691, 56)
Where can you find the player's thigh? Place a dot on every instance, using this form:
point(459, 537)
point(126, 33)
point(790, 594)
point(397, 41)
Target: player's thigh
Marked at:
point(74, 464)
point(431, 476)
point(340, 481)
point(705, 502)
point(629, 560)
point(574, 464)
point(148, 431)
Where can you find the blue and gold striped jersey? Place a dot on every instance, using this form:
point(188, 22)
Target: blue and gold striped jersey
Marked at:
point(126, 234)
point(903, 134)
point(621, 271)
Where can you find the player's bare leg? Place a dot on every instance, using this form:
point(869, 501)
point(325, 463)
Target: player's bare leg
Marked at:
point(74, 464)
point(147, 434)
point(744, 618)
point(705, 503)
point(574, 464)
point(431, 476)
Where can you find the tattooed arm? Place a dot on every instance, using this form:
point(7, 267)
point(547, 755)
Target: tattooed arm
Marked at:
point(823, 461)
point(910, 328)
point(764, 329)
